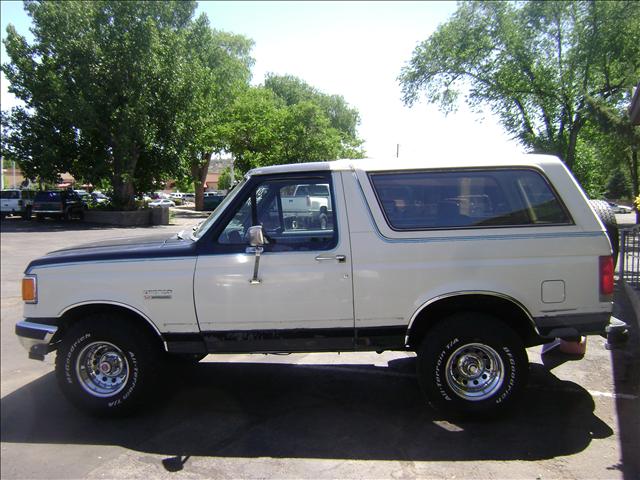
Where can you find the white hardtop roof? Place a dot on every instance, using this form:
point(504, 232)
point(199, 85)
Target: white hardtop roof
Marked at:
point(372, 165)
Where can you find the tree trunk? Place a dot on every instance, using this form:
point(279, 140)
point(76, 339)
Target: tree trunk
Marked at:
point(123, 192)
point(199, 170)
point(570, 155)
point(122, 181)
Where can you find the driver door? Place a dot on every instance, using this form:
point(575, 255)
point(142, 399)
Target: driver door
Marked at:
point(303, 297)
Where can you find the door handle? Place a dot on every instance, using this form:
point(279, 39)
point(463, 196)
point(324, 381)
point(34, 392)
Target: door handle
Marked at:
point(338, 258)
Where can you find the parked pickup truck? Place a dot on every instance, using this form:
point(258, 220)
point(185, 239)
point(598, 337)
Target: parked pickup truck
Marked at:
point(466, 262)
point(16, 202)
point(308, 206)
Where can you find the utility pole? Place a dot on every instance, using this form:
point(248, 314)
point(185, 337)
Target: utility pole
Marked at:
point(1, 172)
point(397, 150)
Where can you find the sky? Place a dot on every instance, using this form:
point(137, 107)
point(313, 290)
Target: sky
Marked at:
point(353, 49)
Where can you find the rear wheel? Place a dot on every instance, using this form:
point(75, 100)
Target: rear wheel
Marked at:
point(104, 366)
point(472, 365)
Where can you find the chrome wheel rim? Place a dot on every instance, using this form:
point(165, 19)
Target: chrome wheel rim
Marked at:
point(102, 369)
point(475, 372)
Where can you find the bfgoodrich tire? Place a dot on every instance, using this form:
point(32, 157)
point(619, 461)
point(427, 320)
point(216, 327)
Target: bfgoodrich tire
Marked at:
point(472, 365)
point(105, 366)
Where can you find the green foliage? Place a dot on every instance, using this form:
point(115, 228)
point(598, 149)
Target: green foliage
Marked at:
point(533, 63)
point(288, 121)
point(618, 185)
point(217, 71)
point(129, 94)
point(99, 84)
point(342, 118)
point(224, 180)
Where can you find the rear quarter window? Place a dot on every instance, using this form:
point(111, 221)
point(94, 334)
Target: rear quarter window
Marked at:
point(467, 199)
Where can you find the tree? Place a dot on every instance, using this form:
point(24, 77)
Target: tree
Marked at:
point(254, 129)
point(621, 138)
point(217, 70)
point(287, 122)
point(533, 63)
point(100, 87)
point(342, 118)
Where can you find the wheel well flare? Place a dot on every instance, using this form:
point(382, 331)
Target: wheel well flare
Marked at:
point(506, 310)
point(79, 312)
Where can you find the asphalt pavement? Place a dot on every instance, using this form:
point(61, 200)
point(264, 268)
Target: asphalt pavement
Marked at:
point(309, 415)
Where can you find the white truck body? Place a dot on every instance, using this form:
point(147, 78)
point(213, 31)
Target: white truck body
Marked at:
point(369, 285)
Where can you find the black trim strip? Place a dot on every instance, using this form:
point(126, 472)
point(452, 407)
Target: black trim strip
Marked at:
point(290, 340)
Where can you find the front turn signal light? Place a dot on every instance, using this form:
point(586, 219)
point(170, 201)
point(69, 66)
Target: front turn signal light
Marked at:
point(30, 289)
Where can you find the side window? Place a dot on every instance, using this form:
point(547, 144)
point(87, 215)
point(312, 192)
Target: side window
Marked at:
point(292, 217)
point(462, 199)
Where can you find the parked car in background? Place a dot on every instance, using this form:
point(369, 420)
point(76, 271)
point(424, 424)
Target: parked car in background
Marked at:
point(619, 208)
point(58, 204)
point(162, 202)
point(212, 200)
point(99, 197)
point(190, 197)
point(16, 202)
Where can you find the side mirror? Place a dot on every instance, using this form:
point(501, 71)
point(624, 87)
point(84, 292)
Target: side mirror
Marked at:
point(256, 236)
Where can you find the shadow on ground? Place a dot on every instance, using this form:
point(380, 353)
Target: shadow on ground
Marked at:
point(626, 376)
point(312, 411)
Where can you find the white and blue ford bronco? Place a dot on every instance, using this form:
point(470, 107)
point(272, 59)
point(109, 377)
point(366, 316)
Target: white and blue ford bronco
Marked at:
point(466, 262)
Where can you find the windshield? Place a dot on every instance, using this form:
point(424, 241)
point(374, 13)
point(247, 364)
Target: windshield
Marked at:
point(204, 226)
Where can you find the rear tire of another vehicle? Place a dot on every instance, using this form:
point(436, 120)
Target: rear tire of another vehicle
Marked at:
point(472, 365)
point(608, 218)
point(105, 366)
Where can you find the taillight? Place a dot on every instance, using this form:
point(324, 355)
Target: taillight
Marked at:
point(30, 289)
point(606, 277)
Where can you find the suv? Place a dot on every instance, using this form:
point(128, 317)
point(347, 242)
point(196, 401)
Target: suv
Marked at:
point(16, 202)
point(58, 204)
point(212, 200)
point(464, 262)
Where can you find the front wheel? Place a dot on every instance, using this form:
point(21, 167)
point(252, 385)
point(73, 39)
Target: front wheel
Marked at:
point(104, 366)
point(472, 365)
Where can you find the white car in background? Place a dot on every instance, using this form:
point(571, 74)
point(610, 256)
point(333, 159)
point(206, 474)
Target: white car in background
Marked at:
point(620, 208)
point(162, 202)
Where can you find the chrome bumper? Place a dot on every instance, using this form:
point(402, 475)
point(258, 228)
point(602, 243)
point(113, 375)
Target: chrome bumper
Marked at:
point(35, 338)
